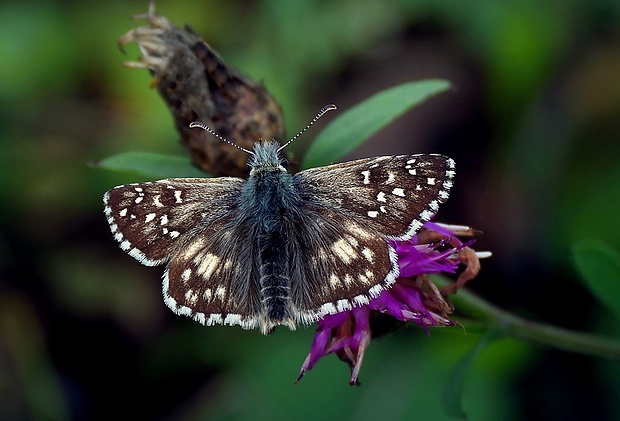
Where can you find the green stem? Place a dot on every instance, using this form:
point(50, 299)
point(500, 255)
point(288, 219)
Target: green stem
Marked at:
point(544, 334)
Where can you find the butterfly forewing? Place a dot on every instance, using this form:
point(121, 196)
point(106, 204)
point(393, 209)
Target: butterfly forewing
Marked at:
point(394, 195)
point(152, 220)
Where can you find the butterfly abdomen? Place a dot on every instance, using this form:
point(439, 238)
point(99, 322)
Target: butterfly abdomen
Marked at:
point(274, 279)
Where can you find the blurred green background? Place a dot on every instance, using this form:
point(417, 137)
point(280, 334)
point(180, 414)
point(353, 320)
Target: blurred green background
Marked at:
point(533, 122)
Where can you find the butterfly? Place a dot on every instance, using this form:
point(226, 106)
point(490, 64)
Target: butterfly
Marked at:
point(277, 248)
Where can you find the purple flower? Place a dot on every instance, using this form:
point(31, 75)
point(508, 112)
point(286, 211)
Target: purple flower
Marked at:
point(412, 298)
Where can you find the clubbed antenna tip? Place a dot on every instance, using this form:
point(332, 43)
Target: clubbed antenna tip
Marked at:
point(203, 126)
point(325, 109)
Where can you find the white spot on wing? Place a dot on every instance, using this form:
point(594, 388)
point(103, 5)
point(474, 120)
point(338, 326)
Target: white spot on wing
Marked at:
point(366, 175)
point(334, 281)
point(398, 192)
point(157, 202)
point(368, 254)
point(363, 279)
point(208, 265)
point(220, 293)
point(344, 250)
point(191, 297)
point(359, 232)
point(348, 280)
point(193, 248)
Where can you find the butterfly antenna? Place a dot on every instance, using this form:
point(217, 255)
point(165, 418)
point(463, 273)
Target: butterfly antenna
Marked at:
point(319, 115)
point(203, 126)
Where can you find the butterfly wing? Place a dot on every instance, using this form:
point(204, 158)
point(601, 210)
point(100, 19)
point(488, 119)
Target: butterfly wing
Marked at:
point(214, 278)
point(150, 220)
point(395, 195)
point(352, 209)
point(193, 225)
point(336, 262)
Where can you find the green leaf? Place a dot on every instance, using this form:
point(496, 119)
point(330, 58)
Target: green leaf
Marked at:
point(452, 398)
point(356, 125)
point(599, 266)
point(151, 165)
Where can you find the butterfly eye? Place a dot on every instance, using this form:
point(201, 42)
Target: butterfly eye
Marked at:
point(284, 164)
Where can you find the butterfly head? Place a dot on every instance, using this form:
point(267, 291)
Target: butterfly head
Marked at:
point(267, 157)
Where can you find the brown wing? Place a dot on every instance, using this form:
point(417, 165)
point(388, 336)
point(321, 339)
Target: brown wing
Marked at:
point(150, 220)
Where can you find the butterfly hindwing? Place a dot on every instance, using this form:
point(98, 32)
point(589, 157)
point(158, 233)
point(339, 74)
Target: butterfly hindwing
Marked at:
point(214, 278)
point(336, 263)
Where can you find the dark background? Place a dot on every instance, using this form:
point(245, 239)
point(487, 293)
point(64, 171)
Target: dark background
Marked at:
point(533, 121)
